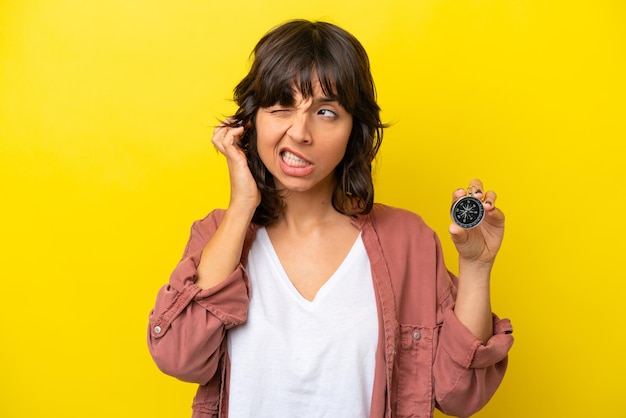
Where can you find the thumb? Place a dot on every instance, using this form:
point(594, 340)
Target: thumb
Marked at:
point(457, 234)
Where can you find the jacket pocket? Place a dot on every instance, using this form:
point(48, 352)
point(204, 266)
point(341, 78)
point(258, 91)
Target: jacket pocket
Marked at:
point(414, 397)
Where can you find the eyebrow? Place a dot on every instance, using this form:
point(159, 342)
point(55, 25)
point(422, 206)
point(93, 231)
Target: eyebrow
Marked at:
point(316, 101)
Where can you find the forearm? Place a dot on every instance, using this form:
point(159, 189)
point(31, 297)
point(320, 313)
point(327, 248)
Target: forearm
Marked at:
point(187, 346)
point(187, 325)
point(222, 253)
point(473, 301)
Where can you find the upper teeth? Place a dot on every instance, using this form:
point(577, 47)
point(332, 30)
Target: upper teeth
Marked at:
point(293, 159)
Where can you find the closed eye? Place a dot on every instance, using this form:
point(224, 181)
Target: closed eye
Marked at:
point(279, 111)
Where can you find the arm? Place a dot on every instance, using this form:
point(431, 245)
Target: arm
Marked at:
point(468, 371)
point(222, 253)
point(477, 249)
point(188, 324)
point(208, 290)
point(471, 358)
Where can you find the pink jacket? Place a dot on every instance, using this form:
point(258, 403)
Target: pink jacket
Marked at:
point(426, 358)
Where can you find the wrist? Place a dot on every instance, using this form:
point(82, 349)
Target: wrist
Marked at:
point(475, 266)
point(241, 211)
point(475, 272)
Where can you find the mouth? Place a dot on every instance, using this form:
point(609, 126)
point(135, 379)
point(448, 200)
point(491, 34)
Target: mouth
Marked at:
point(295, 165)
point(292, 160)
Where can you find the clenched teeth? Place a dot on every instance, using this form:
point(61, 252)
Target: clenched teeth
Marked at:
point(293, 160)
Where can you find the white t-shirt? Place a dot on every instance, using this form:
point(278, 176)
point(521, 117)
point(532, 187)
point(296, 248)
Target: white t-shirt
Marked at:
point(299, 358)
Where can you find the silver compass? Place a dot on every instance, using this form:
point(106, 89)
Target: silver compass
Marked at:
point(468, 211)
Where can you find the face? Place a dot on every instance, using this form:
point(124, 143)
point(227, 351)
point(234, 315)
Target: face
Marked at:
point(301, 144)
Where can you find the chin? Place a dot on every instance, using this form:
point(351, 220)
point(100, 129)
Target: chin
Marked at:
point(300, 187)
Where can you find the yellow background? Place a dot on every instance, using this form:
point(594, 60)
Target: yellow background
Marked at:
point(106, 113)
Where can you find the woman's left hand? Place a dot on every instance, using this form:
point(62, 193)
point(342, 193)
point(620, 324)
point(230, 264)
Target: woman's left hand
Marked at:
point(480, 244)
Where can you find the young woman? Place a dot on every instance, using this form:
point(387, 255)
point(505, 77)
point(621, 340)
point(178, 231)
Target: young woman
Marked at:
point(304, 298)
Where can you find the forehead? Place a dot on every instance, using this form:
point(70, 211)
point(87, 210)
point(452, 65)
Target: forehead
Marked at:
point(315, 90)
point(301, 86)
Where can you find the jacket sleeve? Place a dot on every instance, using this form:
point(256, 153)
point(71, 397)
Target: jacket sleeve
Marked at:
point(466, 371)
point(188, 324)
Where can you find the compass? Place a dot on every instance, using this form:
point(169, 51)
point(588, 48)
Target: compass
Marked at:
point(468, 211)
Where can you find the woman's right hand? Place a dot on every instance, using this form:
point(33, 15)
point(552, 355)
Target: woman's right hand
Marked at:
point(222, 253)
point(244, 193)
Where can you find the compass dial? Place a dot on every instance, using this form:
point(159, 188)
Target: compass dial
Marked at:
point(467, 212)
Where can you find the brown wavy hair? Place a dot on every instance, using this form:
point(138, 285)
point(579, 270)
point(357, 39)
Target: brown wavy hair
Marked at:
point(293, 55)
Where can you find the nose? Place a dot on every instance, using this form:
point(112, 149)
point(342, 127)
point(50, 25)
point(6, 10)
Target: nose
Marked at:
point(299, 129)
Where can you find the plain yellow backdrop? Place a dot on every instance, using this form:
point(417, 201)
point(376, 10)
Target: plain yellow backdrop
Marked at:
point(106, 114)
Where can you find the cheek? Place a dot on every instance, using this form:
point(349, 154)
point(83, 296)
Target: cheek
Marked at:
point(344, 139)
point(265, 147)
point(261, 135)
point(268, 134)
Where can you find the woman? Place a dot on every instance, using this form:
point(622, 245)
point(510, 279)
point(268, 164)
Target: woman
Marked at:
point(303, 297)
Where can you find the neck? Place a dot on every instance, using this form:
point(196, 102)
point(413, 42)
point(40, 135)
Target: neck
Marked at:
point(308, 211)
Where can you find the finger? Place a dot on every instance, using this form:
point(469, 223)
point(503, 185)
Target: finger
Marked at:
point(457, 234)
point(458, 193)
point(224, 126)
point(230, 142)
point(221, 133)
point(476, 188)
point(490, 200)
point(218, 137)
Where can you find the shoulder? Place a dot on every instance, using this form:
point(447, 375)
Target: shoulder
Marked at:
point(203, 229)
point(212, 218)
point(209, 223)
point(400, 231)
point(400, 221)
